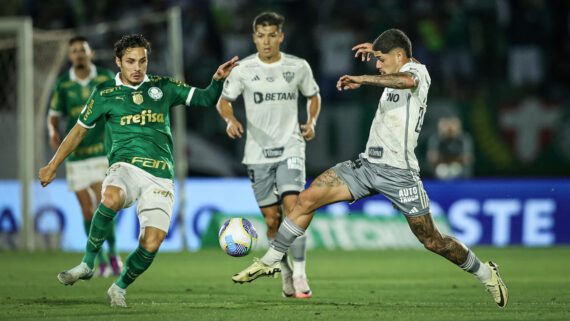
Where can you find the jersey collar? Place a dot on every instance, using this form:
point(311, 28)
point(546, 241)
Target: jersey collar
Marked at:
point(277, 63)
point(83, 82)
point(118, 81)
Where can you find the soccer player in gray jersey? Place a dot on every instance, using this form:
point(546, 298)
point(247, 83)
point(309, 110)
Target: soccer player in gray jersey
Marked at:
point(387, 166)
point(270, 81)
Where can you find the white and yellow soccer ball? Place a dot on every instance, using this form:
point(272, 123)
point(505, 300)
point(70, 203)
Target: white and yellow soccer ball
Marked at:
point(237, 237)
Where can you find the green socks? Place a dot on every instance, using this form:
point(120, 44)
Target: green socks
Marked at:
point(137, 262)
point(101, 256)
point(100, 227)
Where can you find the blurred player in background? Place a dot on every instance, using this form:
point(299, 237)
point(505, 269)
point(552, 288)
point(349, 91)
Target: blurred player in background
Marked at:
point(270, 81)
point(137, 111)
point(388, 166)
point(86, 166)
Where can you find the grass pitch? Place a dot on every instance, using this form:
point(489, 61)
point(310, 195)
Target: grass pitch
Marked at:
point(359, 285)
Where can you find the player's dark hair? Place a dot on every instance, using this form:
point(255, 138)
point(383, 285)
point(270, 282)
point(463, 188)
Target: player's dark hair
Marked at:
point(77, 38)
point(268, 19)
point(131, 41)
point(391, 39)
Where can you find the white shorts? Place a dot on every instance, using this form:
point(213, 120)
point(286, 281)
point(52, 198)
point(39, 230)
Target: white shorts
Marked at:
point(84, 173)
point(155, 195)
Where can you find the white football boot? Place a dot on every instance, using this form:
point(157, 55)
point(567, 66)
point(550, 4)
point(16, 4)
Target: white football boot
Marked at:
point(80, 272)
point(117, 296)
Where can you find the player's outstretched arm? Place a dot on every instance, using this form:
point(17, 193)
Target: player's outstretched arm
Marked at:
point(69, 144)
point(398, 80)
point(364, 50)
point(234, 128)
point(313, 110)
point(209, 96)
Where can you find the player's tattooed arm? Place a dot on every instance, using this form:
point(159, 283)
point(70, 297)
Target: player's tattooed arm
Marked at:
point(328, 178)
point(398, 80)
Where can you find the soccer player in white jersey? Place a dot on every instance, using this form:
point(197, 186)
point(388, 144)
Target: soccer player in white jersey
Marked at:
point(270, 81)
point(388, 166)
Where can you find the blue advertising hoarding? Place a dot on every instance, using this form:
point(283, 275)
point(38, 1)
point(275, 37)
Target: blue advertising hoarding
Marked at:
point(479, 212)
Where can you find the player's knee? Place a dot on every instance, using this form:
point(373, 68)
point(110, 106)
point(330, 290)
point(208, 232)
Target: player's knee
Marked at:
point(306, 203)
point(151, 243)
point(272, 223)
point(113, 200)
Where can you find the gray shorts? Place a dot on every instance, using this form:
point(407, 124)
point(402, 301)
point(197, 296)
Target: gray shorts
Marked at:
point(270, 182)
point(401, 186)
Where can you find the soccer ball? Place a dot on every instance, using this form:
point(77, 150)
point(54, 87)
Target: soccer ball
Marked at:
point(237, 237)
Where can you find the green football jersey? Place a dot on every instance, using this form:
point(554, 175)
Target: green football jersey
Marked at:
point(68, 99)
point(138, 119)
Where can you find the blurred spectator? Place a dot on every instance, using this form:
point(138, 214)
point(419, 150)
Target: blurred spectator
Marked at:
point(450, 150)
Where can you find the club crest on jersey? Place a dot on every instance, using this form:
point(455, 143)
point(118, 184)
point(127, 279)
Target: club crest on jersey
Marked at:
point(288, 75)
point(138, 98)
point(155, 93)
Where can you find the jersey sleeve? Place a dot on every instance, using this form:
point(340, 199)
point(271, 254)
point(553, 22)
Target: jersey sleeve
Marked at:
point(308, 86)
point(57, 107)
point(93, 110)
point(413, 69)
point(180, 93)
point(233, 85)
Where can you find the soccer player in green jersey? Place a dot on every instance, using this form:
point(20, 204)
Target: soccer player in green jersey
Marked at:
point(136, 107)
point(86, 166)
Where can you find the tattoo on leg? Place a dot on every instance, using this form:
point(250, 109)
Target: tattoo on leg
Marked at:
point(329, 178)
point(425, 230)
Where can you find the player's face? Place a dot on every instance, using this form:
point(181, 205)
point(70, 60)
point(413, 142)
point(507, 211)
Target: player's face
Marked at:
point(80, 54)
point(391, 62)
point(268, 39)
point(133, 65)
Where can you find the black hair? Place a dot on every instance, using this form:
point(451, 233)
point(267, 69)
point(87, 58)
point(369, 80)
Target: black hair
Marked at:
point(268, 19)
point(131, 41)
point(77, 38)
point(393, 38)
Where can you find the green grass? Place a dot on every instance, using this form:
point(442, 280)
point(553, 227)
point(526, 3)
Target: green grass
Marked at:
point(359, 285)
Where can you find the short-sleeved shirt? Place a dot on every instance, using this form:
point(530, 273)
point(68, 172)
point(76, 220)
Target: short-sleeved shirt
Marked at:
point(138, 120)
point(270, 93)
point(68, 98)
point(398, 122)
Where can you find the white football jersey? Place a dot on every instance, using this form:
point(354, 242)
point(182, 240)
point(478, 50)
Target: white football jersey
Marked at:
point(398, 121)
point(270, 93)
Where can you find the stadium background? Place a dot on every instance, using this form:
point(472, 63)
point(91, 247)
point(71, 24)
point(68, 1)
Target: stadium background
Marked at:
point(499, 66)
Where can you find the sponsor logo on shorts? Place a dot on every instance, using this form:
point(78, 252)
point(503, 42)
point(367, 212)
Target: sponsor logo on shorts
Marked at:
point(273, 152)
point(408, 194)
point(295, 163)
point(164, 193)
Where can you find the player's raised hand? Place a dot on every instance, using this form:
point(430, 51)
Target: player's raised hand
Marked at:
point(364, 50)
point(308, 131)
point(348, 82)
point(234, 129)
point(224, 69)
point(46, 175)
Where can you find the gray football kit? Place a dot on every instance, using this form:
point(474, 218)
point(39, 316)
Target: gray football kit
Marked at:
point(389, 165)
point(274, 149)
